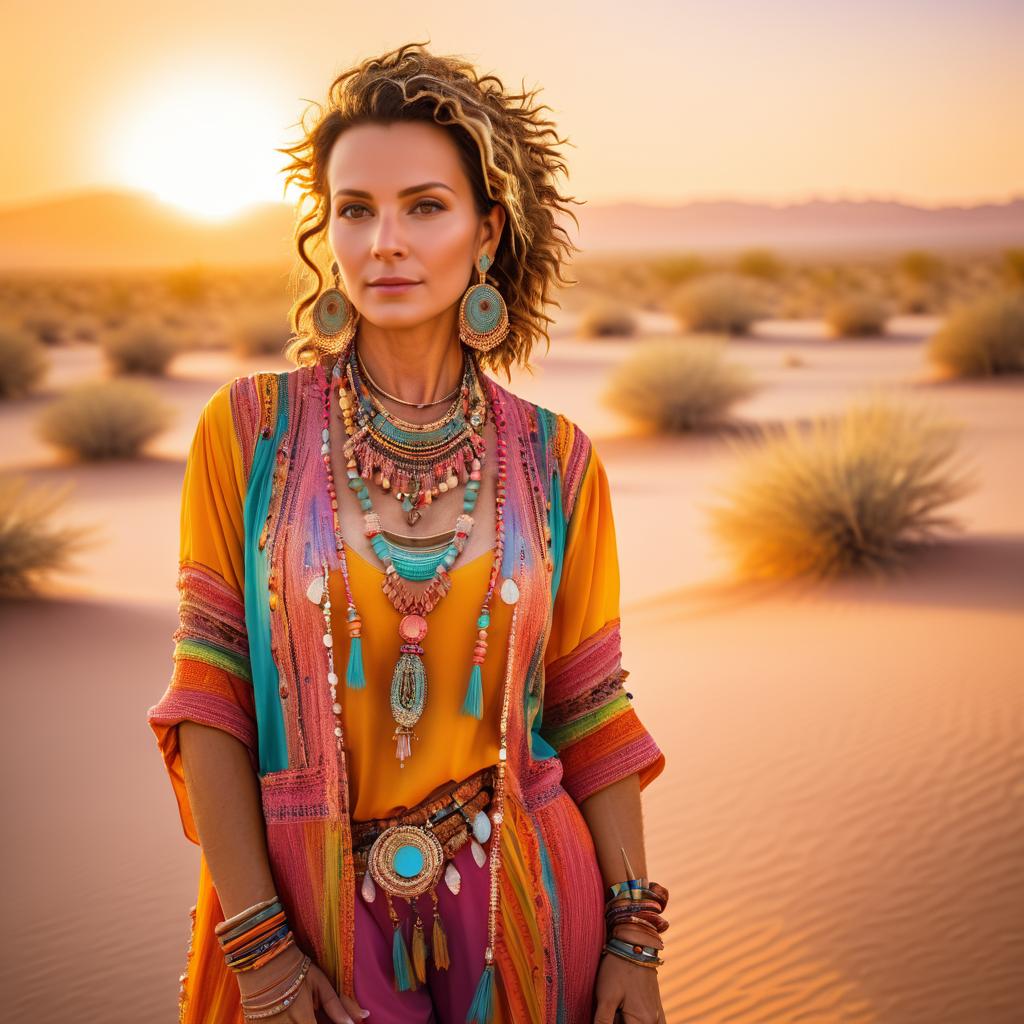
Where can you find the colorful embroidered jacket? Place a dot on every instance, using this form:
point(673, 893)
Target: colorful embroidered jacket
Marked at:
point(249, 658)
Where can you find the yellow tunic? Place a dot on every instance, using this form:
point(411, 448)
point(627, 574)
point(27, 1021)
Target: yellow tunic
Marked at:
point(451, 745)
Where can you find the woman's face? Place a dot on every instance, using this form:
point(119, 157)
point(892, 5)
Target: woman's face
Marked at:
point(401, 206)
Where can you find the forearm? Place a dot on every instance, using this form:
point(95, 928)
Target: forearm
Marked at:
point(615, 818)
point(225, 797)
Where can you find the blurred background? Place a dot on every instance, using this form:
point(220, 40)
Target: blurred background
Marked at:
point(797, 341)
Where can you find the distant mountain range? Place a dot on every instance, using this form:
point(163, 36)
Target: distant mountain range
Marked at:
point(113, 229)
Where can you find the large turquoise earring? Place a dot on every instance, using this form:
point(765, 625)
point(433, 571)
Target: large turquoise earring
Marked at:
point(334, 318)
point(483, 316)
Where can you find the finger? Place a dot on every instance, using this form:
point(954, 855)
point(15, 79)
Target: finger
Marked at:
point(354, 1009)
point(327, 999)
point(605, 1013)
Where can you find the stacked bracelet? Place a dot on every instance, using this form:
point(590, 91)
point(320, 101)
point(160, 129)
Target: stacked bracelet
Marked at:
point(638, 903)
point(252, 939)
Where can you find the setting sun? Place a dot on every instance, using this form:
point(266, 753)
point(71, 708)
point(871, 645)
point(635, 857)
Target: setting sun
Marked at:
point(204, 144)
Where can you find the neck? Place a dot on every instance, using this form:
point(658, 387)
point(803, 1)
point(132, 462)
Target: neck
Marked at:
point(419, 364)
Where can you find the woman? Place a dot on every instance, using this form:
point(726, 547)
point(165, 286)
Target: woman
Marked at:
point(468, 850)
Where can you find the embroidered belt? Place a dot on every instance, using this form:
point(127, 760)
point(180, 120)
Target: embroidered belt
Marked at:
point(406, 854)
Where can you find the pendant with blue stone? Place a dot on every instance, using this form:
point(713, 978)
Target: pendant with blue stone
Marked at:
point(406, 860)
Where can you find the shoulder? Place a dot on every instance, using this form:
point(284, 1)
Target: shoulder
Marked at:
point(563, 447)
point(248, 405)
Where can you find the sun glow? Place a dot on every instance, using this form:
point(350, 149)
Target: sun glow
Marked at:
point(203, 144)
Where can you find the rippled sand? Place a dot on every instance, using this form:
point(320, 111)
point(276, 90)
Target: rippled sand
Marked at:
point(840, 821)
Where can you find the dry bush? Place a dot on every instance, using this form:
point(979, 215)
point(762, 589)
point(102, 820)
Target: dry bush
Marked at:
point(677, 384)
point(982, 338)
point(143, 346)
point(49, 328)
point(718, 302)
point(760, 263)
point(671, 271)
point(260, 331)
point(105, 419)
point(30, 545)
point(921, 266)
point(23, 362)
point(856, 316)
point(1013, 266)
point(853, 492)
point(604, 319)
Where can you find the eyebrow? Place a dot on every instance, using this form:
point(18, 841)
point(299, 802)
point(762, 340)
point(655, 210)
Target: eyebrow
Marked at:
point(405, 191)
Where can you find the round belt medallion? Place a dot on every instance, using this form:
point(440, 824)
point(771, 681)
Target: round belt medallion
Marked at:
point(406, 860)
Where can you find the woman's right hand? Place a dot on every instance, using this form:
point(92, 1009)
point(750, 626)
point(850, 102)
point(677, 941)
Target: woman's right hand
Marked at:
point(316, 992)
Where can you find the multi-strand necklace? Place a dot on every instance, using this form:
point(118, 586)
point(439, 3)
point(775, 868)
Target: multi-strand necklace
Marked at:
point(414, 460)
point(370, 447)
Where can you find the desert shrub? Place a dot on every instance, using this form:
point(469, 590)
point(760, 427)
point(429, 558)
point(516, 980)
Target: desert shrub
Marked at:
point(856, 315)
point(718, 302)
point(49, 328)
point(606, 319)
point(761, 263)
point(982, 338)
point(30, 544)
point(671, 271)
point(260, 331)
point(23, 361)
point(677, 384)
point(143, 346)
point(1013, 266)
point(857, 491)
point(188, 285)
point(85, 327)
point(921, 266)
point(110, 419)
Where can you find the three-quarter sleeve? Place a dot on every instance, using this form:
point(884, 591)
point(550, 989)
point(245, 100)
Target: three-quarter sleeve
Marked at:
point(587, 715)
point(211, 681)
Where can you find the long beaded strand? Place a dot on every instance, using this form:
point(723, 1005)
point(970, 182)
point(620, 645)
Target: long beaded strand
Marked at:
point(481, 1009)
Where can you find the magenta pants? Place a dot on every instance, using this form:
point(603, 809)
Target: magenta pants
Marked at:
point(446, 996)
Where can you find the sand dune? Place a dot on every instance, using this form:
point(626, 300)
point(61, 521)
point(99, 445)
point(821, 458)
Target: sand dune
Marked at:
point(840, 819)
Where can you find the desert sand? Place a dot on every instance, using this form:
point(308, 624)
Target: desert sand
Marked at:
point(840, 821)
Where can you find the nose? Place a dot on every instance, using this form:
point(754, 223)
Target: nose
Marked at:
point(388, 240)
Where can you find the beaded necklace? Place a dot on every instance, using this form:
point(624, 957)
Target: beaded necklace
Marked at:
point(413, 459)
point(409, 683)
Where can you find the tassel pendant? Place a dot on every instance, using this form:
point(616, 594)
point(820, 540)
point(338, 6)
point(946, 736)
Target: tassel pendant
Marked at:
point(481, 1010)
point(355, 676)
point(419, 950)
point(474, 702)
point(404, 977)
point(440, 939)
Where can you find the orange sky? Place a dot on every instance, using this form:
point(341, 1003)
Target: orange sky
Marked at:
point(663, 100)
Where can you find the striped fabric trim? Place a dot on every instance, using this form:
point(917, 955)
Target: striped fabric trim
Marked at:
point(590, 721)
point(211, 621)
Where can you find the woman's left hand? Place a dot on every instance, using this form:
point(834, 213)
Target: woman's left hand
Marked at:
point(630, 990)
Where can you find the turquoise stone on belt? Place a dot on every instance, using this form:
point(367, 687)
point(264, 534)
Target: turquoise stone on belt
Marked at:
point(408, 861)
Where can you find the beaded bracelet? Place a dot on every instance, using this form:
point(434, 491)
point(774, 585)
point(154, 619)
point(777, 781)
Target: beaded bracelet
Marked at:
point(284, 1001)
point(290, 983)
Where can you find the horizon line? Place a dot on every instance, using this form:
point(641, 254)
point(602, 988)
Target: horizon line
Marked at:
point(810, 196)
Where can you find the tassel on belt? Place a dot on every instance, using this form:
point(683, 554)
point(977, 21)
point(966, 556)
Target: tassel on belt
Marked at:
point(409, 854)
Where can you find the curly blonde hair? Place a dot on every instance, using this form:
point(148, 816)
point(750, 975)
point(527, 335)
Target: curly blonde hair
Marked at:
point(507, 150)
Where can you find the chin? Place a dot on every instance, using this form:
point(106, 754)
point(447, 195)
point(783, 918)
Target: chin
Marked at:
point(395, 314)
